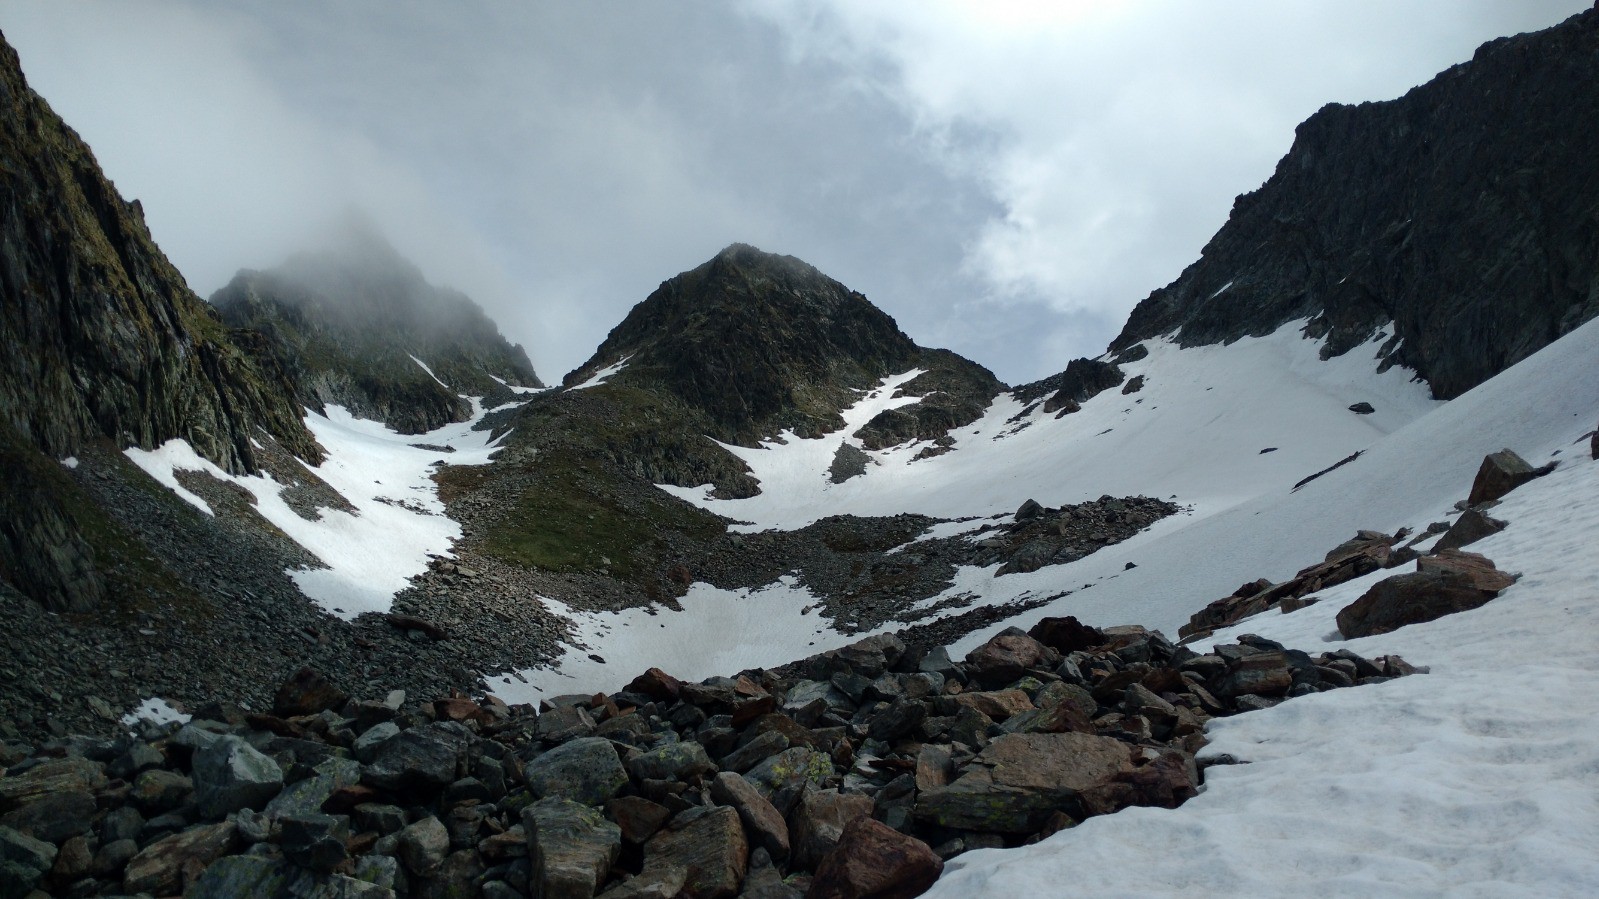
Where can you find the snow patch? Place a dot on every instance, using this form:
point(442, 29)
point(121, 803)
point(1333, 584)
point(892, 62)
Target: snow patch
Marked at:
point(717, 632)
point(604, 374)
point(70, 462)
point(1221, 291)
point(399, 521)
point(154, 709)
point(425, 368)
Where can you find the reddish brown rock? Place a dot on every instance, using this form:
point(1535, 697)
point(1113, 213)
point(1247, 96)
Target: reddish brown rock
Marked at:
point(656, 685)
point(760, 818)
point(1479, 568)
point(1006, 657)
point(1499, 474)
point(307, 692)
point(638, 817)
point(819, 821)
point(996, 704)
point(711, 848)
point(1404, 599)
point(875, 860)
point(167, 866)
point(458, 709)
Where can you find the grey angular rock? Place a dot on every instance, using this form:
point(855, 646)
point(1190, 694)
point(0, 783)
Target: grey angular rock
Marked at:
point(761, 819)
point(371, 741)
point(249, 877)
point(158, 791)
point(423, 845)
point(230, 774)
point(585, 770)
point(783, 777)
point(306, 797)
point(424, 759)
point(1499, 474)
point(314, 842)
point(23, 862)
point(763, 747)
point(571, 848)
point(674, 761)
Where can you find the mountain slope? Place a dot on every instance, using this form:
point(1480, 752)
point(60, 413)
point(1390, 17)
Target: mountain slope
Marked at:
point(102, 340)
point(356, 325)
point(1465, 212)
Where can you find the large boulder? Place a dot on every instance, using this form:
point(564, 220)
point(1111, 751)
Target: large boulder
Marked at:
point(875, 860)
point(819, 821)
point(1007, 656)
point(708, 846)
point(585, 770)
point(674, 761)
point(23, 862)
point(1499, 474)
point(1470, 527)
point(230, 774)
point(783, 777)
point(423, 845)
point(54, 817)
point(760, 818)
point(162, 867)
point(571, 848)
point(1020, 780)
point(1394, 602)
point(1065, 635)
point(421, 759)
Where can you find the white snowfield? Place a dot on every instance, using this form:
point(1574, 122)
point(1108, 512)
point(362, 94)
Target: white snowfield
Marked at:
point(1478, 779)
point(398, 523)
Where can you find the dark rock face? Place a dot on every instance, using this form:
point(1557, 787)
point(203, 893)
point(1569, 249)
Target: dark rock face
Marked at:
point(1501, 473)
point(1082, 380)
point(1461, 212)
point(345, 323)
point(100, 338)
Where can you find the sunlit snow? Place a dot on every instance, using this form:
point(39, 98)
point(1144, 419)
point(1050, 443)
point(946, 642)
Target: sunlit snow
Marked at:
point(154, 709)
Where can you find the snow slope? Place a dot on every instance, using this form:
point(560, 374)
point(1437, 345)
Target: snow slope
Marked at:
point(386, 476)
point(1205, 414)
point(1478, 779)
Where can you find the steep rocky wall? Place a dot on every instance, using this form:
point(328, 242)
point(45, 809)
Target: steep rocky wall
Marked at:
point(99, 334)
point(1466, 212)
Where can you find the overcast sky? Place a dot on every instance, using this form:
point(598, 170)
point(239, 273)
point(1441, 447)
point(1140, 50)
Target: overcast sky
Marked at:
point(1006, 178)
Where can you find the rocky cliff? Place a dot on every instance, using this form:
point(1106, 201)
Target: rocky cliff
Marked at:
point(102, 339)
point(353, 324)
point(1466, 213)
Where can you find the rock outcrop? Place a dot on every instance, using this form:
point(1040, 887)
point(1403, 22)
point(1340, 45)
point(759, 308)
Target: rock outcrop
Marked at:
point(1461, 213)
point(102, 340)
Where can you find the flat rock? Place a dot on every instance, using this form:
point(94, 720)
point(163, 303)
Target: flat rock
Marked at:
point(23, 861)
point(159, 868)
point(249, 877)
point(1470, 527)
point(1005, 657)
point(638, 817)
point(53, 817)
point(585, 770)
point(1019, 780)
